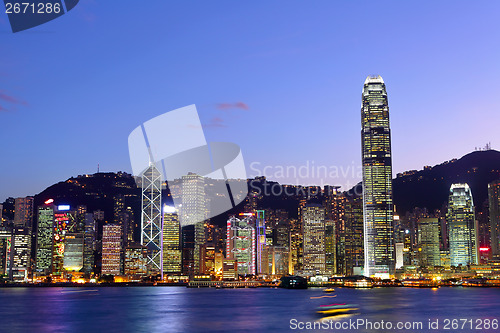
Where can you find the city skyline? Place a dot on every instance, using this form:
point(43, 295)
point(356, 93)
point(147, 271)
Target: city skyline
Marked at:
point(307, 54)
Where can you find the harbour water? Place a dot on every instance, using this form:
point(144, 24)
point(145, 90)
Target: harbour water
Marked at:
point(180, 309)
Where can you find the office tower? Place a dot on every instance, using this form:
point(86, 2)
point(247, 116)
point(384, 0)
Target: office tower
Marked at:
point(23, 214)
point(494, 203)
point(118, 209)
point(260, 226)
point(1, 215)
point(64, 222)
point(73, 251)
point(111, 249)
point(194, 211)
point(89, 244)
point(399, 253)
point(208, 259)
point(461, 224)
point(296, 245)
point(334, 204)
point(151, 233)
point(129, 225)
point(171, 241)
point(314, 260)
point(330, 247)
point(44, 239)
point(354, 240)
point(282, 234)
point(21, 254)
point(5, 251)
point(241, 242)
point(218, 259)
point(136, 257)
point(377, 179)
point(188, 250)
point(275, 260)
point(429, 242)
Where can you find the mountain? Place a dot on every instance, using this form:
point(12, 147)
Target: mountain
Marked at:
point(430, 187)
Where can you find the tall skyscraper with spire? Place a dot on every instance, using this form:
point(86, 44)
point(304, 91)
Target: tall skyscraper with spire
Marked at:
point(462, 226)
point(151, 219)
point(377, 179)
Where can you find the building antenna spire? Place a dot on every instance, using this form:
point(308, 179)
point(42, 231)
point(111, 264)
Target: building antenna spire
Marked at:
point(97, 167)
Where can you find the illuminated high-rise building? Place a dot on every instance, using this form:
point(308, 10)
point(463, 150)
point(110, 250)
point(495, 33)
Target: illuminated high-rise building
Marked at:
point(494, 207)
point(260, 226)
point(275, 260)
point(111, 249)
point(73, 251)
point(135, 266)
point(330, 247)
point(89, 243)
point(21, 254)
point(44, 239)
point(377, 179)
point(194, 212)
point(151, 220)
point(462, 226)
point(354, 244)
point(314, 257)
point(430, 254)
point(64, 222)
point(5, 251)
point(171, 241)
point(23, 213)
point(241, 242)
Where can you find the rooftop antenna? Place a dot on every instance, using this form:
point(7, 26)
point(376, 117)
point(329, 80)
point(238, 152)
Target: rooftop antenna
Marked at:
point(97, 167)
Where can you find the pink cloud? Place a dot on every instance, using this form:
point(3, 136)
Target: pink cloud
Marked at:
point(228, 106)
point(11, 99)
point(215, 122)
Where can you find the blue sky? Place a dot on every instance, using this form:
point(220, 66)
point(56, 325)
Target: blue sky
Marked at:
point(282, 79)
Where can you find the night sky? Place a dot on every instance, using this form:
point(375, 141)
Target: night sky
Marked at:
point(282, 80)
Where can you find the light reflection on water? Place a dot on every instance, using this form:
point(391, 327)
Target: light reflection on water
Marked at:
point(179, 309)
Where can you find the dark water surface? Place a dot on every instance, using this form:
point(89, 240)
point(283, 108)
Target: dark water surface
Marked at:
point(179, 309)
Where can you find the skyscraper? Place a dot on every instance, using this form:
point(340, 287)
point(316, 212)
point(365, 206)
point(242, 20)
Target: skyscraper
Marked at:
point(314, 257)
point(21, 255)
point(44, 239)
point(429, 242)
point(260, 226)
point(64, 221)
point(330, 247)
point(73, 251)
point(171, 241)
point(494, 203)
point(354, 252)
point(241, 242)
point(5, 251)
point(89, 243)
point(23, 214)
point(111, 249)
point(194, 211)
point(461, 226)
point(377, 179)
point(151, 233)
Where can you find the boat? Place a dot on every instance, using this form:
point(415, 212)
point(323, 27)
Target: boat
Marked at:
point(329, 290)
point(336, 309)
point(293, 282)
point(358, 282)
point(421, 283)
